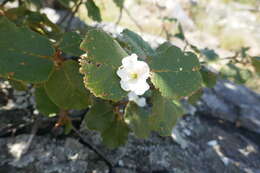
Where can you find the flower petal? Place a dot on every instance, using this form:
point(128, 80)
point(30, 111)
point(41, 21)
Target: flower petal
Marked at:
point(129, 61)
point(133, 84)
point(141, 88)
point(124, 85)
point(133, 74)
point(132, 96)
point(142, 69)
point(141, 102)
point(122, 73)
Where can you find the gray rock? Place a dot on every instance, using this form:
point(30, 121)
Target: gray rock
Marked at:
point(212, 104)
point(198, 143)
point(234, 103)
point(45, 155)
point(232, 151)
point(211, 146)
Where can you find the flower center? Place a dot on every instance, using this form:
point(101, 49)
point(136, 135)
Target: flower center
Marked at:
point(134, 75)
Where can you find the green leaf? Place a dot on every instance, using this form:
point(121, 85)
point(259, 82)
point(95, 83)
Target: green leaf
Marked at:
point(68, 127)
point(170, 19)
point(174, 73)
point(244, 51)
point(38, 3)
point(165, 114)
point(70, 44)
point(40, 23)
point(102, 48)
point(36, 21)
point(17, 15)
point(102, 118)
point(65, 87)
point(138, 120)
point(256, 64)
point(195, 97)
point(209, 77)
point(25, 55)
point(116, 134)
point(136, 44)
point(119, 3)
point(100, 66)
point(93, 11)
point(43, 102)
point(234, 73)
point(18, 85)
point(102, 81)
point(209, 54)
point(195, 49)
point(67, 3)
point(163, 47)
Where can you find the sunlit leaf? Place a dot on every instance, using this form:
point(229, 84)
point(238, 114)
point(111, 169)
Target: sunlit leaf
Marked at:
point(175, 73)
point(100, 66)
point(136, 44)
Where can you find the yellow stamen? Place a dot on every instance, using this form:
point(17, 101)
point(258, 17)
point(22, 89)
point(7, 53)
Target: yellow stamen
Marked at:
point(134, 75)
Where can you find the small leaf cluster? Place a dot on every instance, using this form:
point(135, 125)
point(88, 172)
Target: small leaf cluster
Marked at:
point(239, 68)
point(174, 75)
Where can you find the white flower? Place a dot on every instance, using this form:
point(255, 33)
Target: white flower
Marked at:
point(140, 101)
point(133, 74)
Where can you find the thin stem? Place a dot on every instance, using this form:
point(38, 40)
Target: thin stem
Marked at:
point(64, 115)
point(90, 146)
point(119, 17)
point(73, 14)
point(34, 130)
point(133, 19)
point(186, 45)
point(64, 18)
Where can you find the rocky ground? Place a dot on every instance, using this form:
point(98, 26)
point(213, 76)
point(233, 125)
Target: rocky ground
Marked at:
point(220, 134)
